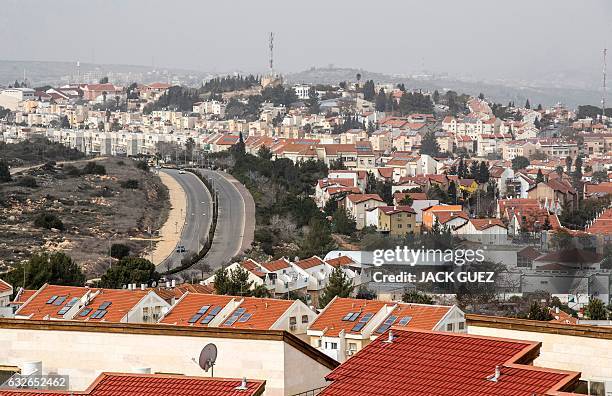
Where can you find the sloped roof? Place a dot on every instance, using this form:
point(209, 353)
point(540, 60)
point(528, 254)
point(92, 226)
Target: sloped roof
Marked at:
point(340, 261)
point(358, 198)
point(37, 306)
point(5, 287)
point(420, 363)
point(264, 312)
point(118, 384)
point(309, 262)
point(189, 305)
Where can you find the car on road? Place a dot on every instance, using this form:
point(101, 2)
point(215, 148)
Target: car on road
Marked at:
point(181, 172)
point(180, 249)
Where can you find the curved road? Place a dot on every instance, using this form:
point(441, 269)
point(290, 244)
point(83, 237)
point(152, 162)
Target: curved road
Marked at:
point(197, 218)
point(236, 222)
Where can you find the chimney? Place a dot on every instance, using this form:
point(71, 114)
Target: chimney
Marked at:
point(173, 283)
point(134, 286)
point(243, 385)
point(557, 310)
point(143, 286)
point(390, 337)
point(167, 285)
point(497, 373)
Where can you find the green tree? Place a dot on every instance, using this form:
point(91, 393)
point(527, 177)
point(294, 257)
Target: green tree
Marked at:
point(365, 294)
point(342, 223)
point(318, 239)
point(48, 221)
point(414, 297)
point(129, 270)
point(415, 102)
point(369, 91)
point(539, 312)
point(483, 173)
point(5, 173)
point(103, 80)
point(429, 144)
point(381, 100)
point(436, 96)
point(452, 193)
point(474, 170)
point(264, 153)
point(568, 165)
point(52, 268)
point(596, 310)
point(313, 101)
point(407, 200)
point(338, 285)
point(119, 251)
point(520, 162)
point(527, 104)
point(540, 176)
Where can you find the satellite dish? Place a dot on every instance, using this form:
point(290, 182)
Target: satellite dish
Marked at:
point(154, 284)
point(208, 356)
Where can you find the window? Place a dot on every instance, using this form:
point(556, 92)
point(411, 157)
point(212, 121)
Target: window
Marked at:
point(352, 346)
point(334, 345)
point(449, 327)
point(292, 320)
point(461, 325)
point(319, 343)
point(304, 318)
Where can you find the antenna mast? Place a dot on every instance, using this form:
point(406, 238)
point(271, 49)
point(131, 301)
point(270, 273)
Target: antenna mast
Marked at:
point(271, 51)
point(603, 93)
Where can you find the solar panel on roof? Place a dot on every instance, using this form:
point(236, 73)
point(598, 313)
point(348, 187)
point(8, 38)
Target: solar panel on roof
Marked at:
point(215, 310)
point(72, 301)
point(385, 326)
point(195, 318)
point(244, 318)
point(63, 310)
point(85, 312)
point(348, 316)
point(362, 322)
point(207, 319)
point(98, 314)
point(59, 301)
point(203, 309)
point(105, 305)
point(49, 301)
point(354, 317)
point(101, 314)
point(234, 317)
point(405, 320)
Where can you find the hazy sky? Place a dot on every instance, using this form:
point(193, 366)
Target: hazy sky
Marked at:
point(490, 38)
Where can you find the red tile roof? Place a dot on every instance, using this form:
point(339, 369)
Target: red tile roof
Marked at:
point(483, 224)
point(416, 196)
point(188, 306)
point(331, 317)
point(276, 265)
point(264, 313)
point(5, 287)
point(424, 317)
point(309, 262)
point(119, 384)
point(418, 363)
point(340, 261)
point(122, 301)
point(358, 198)
point(391, 210)
point(37, 306)
point(24, 296)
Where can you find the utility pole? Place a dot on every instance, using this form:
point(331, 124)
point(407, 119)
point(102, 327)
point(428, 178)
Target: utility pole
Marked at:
point(603, 93)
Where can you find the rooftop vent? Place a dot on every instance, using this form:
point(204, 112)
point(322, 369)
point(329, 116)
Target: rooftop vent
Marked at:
point(243, 385)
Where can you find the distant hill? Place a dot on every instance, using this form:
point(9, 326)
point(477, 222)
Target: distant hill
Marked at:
point(547, 96)
point(41, 73)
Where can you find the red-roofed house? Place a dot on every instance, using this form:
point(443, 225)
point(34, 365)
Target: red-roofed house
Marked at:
point(555, 193)
point(346, 325)
point(6, 293)
point(489, 231)
point(417, 363)
point(357, 205)
point(395, 220)
point(115, 384)
point(97, 305)
point(212, 310)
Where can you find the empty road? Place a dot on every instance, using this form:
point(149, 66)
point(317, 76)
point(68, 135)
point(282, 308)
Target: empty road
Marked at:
point(236, 221)
point(197, 218)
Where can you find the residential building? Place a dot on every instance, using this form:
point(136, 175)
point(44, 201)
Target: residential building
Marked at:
point(555, 193)
point(107, 384)
point(357, 205)
point(213, 310)
point(347, 325)
point(84, 350)
point(562, 346)
point(52, 302)
point(438, 213)
point(398, 220)
point(418, 362)
point(486, 231)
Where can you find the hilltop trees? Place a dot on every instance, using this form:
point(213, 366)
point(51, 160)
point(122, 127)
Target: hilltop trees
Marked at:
point(53, 268)
point(415, 102)
point(381, 101)
point(369, 91)
point(5, 173)
point(520, 162)
point(129, 270)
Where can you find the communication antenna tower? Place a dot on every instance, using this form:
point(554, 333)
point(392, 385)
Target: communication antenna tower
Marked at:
point(271, 51)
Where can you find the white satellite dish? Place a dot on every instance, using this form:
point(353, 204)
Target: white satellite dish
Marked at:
point(208, 356)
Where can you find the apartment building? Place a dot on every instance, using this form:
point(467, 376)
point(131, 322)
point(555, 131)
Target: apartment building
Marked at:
point(347, 325)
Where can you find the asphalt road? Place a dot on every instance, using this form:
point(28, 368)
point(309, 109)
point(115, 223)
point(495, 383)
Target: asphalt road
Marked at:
point(236, 221)
point(197, 219)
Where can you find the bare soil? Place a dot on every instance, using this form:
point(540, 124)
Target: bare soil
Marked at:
point(95, 210)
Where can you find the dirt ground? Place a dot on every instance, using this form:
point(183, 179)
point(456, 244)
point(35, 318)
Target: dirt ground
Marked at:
point(96, 211)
